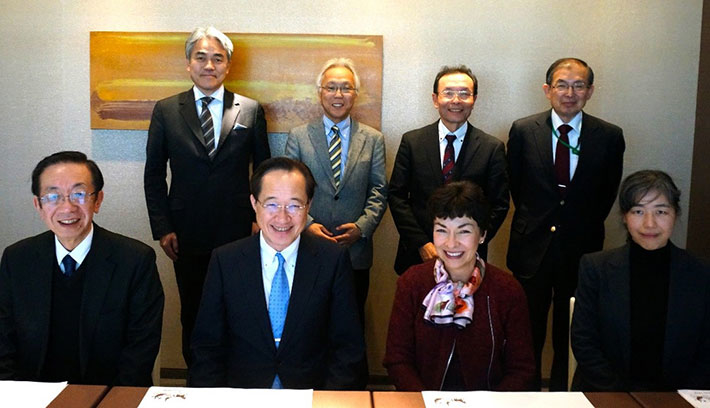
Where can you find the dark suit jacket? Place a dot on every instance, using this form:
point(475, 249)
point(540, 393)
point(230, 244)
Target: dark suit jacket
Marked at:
point(322, 345)
point(208, 203)
point(578, 218)
point(601, 325)
point(361, 197)
point(417, 173)
point(121, 309)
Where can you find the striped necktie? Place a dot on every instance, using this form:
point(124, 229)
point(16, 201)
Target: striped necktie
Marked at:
point(207, 126)
point(334, 151)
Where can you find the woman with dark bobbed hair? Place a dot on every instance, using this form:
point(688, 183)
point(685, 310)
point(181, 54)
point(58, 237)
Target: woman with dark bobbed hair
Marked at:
point(642, 314)
point(459, 323)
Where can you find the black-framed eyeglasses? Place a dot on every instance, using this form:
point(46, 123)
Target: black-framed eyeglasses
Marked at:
point(275, 208)
point(450, 94)
point(577, 87)
point(75, 197)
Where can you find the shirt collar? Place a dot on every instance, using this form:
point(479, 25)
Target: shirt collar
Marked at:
point(576, 121)
point(460, 133)
point(218, 94)
point(268, 253)
point(343, 126)
point(79, 253)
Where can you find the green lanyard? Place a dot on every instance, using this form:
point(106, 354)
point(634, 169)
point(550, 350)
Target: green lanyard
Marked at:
point(573, 149)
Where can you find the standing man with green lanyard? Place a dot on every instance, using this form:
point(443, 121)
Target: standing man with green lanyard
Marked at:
point(564, 167)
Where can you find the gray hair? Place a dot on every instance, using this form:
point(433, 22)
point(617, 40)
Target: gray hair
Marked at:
point(201, 32)
point(339, 62)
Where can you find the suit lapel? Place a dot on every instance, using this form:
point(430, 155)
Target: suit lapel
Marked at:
point(316, 133)
point(249, 271)
point(588, 151)
point(617, 275)
point(543, 144)
point(305, 276)
point(357, 143)
point(189, 113)
point(99, 266)
point(230, 113)
point(470, 146)
point(681, 292)
point(43, 263)
point(431, 150)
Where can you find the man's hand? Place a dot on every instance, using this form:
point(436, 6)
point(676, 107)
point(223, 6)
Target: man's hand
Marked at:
point(427, 251)
point(169, 243)
point(350, 236)
point(321, 232)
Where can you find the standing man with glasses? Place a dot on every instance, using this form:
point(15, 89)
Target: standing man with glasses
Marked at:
point(208, 135)
point(278, 309)
point(78, 303)
point(565, 167)
point(450, 149)
point(347, 159)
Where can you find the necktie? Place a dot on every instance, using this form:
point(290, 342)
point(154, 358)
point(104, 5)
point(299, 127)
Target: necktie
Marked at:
point(278, 306)
point(447, 168)
point(562, 159)
point(69, 266)
point(334, 151)
point(207, 126)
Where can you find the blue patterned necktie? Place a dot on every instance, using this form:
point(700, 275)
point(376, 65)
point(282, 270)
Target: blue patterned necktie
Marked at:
point(69, 266)
point(278, 306)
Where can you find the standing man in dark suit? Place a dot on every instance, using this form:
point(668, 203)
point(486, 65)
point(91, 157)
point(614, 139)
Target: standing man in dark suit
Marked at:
point(347, 159)
point(565, 167)
point(78, 303)
point(209, 135)
point(450, 149)
point(278, 309)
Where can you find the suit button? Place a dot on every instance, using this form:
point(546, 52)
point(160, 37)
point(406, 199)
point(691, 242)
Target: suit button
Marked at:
point(562, 202)
point(553, 228)
point(336, 198)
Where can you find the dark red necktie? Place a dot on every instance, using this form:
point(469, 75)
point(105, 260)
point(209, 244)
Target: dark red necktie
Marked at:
point(447, 169)
point(562, 159)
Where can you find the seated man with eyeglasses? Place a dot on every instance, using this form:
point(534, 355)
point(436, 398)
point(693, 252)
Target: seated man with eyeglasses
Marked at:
point(565, 166)
point(450, 149)
point(78, 303)
point(278, 308)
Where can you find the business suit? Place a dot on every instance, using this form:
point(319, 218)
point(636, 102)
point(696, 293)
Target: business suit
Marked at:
point(549, 233)
point(417, 173)
point(121, 309)
point(208, 202)
point(322, 345)
point(601, 334)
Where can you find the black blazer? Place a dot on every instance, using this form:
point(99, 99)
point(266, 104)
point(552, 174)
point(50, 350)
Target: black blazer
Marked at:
point(208, 203)
point(579, 217)
point(121, 309)
point(601, 323)
point(417, 173)
point(322, 345)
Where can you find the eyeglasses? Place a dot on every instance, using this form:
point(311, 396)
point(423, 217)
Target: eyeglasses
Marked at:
point(449, 94)
point(75, 197)
point(274, 208)
point(332, 89)
point(563, 87)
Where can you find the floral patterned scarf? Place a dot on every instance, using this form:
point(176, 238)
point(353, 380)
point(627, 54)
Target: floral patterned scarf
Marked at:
point(452, 302)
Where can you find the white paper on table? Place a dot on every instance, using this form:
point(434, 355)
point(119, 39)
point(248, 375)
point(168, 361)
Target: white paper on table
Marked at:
point(225, 397)
point(696, 398)
point(463, 399)
point(28, 394)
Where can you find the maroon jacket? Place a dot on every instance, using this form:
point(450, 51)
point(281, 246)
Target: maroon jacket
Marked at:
point(495, 349)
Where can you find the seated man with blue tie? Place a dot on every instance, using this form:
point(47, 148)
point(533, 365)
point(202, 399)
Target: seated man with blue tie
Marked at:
point(278, 308)
point(78, 303)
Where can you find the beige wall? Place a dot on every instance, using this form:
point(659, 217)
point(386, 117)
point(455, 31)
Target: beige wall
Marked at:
point(644, 52)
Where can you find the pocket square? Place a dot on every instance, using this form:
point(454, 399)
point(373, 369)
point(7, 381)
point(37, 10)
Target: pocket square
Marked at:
point(238, 126)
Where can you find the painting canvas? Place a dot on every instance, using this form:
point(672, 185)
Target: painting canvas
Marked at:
point(130, 71)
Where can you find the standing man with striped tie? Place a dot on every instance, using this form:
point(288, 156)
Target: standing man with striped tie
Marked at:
point(278, 309)
point(209, 136)
point(450, 149)
point(565, 168)
point(347, 159)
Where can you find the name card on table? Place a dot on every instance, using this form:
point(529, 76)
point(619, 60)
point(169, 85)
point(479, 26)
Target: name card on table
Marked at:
point(166, 397)
point(28, 394)
point(464, 399)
